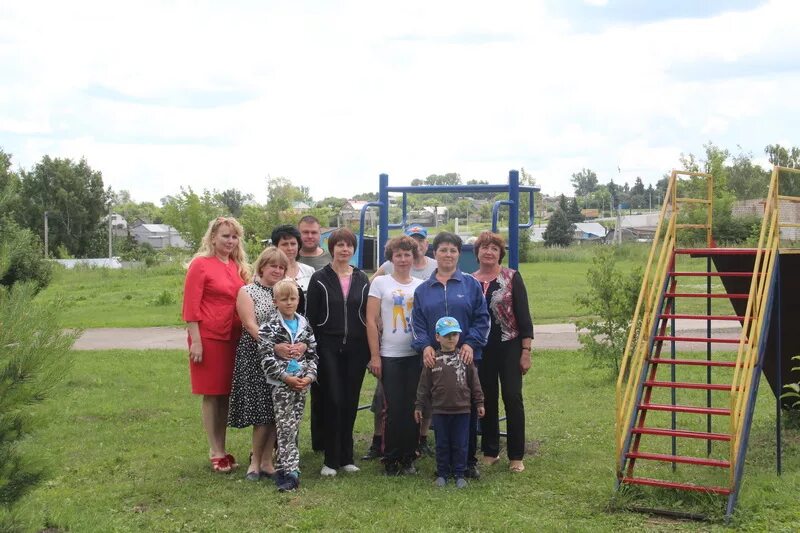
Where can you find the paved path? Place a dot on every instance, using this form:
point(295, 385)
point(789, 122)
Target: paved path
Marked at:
point(548, 336)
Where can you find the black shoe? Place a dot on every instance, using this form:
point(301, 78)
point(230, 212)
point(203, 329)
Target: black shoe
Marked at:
point(289, 483)
point(253, 476)
point(472, 472)
point(409, 470)
point(391, 469)
point(372, 453)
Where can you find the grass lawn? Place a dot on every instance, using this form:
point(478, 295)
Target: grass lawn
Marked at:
point(98, 298)
point(125, 452)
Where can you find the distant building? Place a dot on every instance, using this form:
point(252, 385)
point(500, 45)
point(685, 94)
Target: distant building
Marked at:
point(159, 236)
point(119, 226)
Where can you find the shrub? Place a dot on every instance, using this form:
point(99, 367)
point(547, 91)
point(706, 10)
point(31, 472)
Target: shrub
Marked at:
point(611, 301)
point(23, 257)
point(165, 298)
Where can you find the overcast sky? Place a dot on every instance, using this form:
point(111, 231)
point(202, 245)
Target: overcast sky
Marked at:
point(331, 93)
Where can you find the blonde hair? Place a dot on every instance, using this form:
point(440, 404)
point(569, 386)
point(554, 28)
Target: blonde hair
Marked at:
point(238, 254)
point(285, 287)
point(270, 256)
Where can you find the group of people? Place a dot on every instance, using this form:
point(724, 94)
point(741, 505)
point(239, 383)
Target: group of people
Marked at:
point(443, 345)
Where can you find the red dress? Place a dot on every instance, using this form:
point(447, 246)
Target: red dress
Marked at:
point(209, 298)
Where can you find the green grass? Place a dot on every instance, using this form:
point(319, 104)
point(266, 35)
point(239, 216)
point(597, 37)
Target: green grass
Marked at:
point(100, 298)
point(124, 451)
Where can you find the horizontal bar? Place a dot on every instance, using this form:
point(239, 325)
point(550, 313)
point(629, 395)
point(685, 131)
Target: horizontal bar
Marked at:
point(788, 224)
point(423, 189)
point(713, 274)
point(693, 362)
point(717, 251)
point(706, 340)
point(683, 385)
point(732, 295)
point(691, 201)
point(682, 433)
point(685, 409)
point(795, 199)
point(674, 485)
point(702, 317)
point(699, 461)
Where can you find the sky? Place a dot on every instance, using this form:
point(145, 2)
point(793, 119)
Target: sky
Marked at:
point(218, 95)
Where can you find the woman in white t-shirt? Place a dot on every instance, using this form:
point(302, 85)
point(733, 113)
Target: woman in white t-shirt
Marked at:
point(392, 359)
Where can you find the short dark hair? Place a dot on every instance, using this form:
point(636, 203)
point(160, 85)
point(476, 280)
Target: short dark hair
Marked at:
point(486, 238)
point(401, 243)
point(342, 234)
point(447, 237)
point(309, 219)
point(286, 231)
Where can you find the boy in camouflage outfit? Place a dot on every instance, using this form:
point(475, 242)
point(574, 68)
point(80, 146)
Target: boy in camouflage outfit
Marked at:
point(290, 378)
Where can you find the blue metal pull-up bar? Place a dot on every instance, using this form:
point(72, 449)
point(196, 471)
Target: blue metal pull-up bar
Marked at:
point(513, 189)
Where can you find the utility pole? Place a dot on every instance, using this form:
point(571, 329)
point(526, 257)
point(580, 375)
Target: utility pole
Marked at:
point(110, 252)
point(45, 236)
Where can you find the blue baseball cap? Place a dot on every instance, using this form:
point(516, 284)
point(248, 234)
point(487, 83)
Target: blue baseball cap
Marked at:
point(447, 324)
point(416, 229)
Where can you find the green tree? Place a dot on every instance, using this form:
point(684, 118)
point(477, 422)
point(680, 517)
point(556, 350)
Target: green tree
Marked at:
point(747, 180)
point(10, 201)
point(560, 231)
point(281, 195)
point(574, 212)
point(610, 300)
point(74, 198)
point(190, 213)
point(233, 200)
point(584, 182)
point(783, 157)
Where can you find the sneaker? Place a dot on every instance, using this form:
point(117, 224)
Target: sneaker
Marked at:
point(440, 481)
point(351, 469)
point(424, 450)
point(327, 471)
point(290, 483)
point(372, 453)
point(409, 470)
point(472, 472)
point(461, 483)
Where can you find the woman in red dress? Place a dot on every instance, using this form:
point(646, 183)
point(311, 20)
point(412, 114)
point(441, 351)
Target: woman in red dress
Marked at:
point(215, 275)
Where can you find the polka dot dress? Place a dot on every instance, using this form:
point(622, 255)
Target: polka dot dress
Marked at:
point(251, 400)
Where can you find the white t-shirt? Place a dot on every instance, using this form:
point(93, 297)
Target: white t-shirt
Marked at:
point(304, 273)
point(420, 273)
point(396, 301)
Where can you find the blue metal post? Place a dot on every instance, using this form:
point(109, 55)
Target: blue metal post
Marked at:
point(383, 219)
point(513, 219)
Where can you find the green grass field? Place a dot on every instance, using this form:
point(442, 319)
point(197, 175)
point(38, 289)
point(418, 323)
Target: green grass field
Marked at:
point(124, 451)
point(99, 298)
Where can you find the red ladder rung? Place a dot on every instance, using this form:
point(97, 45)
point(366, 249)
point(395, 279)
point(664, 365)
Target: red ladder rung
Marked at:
point(685, 409)
point(695, 362)
point(681, 433)
point(699, 461)
point(674, 485)
point(686, 385)
point(695, 339)
point(717, 251)
point(702, 317)
point(732, 296)
point(716, 274)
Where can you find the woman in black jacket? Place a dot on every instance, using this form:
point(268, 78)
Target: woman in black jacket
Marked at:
point(336, 309)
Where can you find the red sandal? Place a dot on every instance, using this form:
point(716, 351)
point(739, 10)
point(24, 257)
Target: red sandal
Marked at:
point(221, 464)
point(232, 461)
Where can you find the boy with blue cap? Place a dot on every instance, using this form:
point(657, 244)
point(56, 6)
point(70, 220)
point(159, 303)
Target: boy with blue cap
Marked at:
point(449, 390)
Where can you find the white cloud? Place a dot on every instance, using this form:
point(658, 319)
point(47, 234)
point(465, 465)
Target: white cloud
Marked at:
point(162, 94)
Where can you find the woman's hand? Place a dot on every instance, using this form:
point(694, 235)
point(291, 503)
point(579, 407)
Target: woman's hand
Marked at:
point(288, 351)
point(466, 353)
point(375, 366)
point(196, 352)
point(418, 416)
point(429, 356)
point(525, 362)
point(295, 383)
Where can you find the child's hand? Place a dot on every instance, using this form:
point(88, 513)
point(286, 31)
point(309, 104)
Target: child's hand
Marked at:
point(294, 383)
point(306, 381)
point(481, 411)
point(418, 416)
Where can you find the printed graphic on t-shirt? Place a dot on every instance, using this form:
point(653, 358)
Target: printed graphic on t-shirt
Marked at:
point(401, 309)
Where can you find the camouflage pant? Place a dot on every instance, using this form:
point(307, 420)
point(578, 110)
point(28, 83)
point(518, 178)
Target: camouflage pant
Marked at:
point(289, 405)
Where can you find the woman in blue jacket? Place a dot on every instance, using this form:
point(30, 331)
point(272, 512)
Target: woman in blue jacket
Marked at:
point(450, 292)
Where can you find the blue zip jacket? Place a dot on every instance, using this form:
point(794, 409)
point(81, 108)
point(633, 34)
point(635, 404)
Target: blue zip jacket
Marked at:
point(462, 299)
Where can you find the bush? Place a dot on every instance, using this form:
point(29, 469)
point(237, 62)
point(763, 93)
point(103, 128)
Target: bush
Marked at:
point(611, 301)
point(34, 357)
point(23, 259)
point(165, 298)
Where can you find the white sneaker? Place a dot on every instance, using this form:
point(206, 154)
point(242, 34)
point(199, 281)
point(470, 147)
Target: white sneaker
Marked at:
point(351, 468)
point(327, 471)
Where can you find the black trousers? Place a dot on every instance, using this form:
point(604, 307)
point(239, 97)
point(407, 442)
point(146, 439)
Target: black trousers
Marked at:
point(317, 418)
point(501, 363)
point(341, 373)
point(400, 377)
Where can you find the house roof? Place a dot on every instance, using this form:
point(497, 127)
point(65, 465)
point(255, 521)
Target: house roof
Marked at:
point(159, 228)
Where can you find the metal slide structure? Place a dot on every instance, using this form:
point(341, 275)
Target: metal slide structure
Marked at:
point(683, 417)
